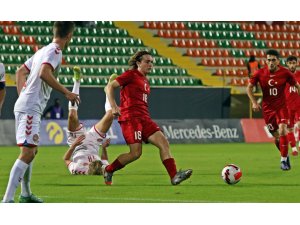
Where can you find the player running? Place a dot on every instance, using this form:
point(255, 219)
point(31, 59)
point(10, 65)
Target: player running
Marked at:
point(82, 158)
point(273, 79)
point(293, 103)
point(135, 121)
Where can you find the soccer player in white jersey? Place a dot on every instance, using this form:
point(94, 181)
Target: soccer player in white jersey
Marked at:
point(34, 92)
point(82, 158)
point(2, 86)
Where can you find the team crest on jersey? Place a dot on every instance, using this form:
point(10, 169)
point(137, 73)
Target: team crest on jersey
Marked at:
point(36, 138)
point(57, 50)
point(99, 139)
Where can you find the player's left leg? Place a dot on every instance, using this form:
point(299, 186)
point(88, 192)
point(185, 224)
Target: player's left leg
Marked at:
point(297, 128)
point(160, 141)
point(283, 146)
point(290, 134)
point(105, 123)
point(73, 121)
point(292, 141)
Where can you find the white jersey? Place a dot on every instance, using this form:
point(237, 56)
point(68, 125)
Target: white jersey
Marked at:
point(36, 93)
point(81, 162)
point(2, 73)
point(87, 152)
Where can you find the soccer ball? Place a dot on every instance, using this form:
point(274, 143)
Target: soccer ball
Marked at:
point(231, 174)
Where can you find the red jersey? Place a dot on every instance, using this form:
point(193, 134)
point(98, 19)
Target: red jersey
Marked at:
point(292, 96)
point(135, 90)
point(273, 86)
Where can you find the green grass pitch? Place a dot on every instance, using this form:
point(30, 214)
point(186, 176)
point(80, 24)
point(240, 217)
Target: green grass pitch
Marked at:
point(146, 180)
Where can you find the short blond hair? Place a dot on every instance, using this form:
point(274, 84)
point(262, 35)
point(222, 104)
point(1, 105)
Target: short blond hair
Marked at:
point(95, 168)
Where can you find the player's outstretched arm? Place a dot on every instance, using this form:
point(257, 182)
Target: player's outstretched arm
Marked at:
point(46, 75)
point(68, 154)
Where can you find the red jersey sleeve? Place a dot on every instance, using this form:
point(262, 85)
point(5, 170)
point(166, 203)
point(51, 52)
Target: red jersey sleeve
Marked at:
point(291, 79)
point(125, 78)
point(254, 79)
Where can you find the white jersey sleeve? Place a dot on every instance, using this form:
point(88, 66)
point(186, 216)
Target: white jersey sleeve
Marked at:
point(28, 63)
point(2, 73)
point(36, 92)
point(52, 57)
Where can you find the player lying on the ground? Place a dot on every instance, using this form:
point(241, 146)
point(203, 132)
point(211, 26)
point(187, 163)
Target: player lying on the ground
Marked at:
point(87, 161)
point(83, 155)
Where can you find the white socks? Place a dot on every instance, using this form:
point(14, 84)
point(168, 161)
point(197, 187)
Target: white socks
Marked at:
point(107, 104)
point(283, 159)
point(75, 90)
point(25, 184)
point(15, 177)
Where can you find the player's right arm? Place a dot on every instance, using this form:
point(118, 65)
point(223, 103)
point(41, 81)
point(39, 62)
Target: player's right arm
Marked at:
point(68, 154)
point(255, 106)
point(21, 74)
point(105, 144)
point(46, 74)
point(111, 97)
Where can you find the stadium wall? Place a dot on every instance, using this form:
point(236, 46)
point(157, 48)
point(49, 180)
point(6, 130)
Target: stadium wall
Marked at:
point(164, 103)
point(53, 132)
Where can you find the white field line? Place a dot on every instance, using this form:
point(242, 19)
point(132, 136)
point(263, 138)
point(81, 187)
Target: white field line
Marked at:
point(135, 199)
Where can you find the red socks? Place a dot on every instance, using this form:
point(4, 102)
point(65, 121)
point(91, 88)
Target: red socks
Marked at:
point(276, 141)
point(116, 165)
point(170, 166)
point(291, 139)
point(284, 145)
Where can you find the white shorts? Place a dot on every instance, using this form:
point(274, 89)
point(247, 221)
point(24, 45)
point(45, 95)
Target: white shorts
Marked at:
point(28, 129)
point(93, 139)
point(72, 135)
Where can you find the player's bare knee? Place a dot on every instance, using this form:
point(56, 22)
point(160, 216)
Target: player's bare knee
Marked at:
point(136, 155)
point(27, 155)
point(282, 132)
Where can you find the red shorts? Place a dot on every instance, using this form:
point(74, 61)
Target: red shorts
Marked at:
point(294, 116)
point(272, 119)
point(137, 130)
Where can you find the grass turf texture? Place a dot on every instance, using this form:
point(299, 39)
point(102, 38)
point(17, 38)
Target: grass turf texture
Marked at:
point(146, 180)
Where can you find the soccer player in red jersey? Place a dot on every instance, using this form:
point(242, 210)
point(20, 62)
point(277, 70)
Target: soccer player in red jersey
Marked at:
point(135, 121)
point(293, 103)
point(273, 79)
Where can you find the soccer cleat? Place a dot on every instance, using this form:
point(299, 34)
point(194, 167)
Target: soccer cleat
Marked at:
point(107, 176)
point(181, 175)
point(294, 151)
point(77, 73)
point(31, 199)
point(111, 79)
point(288, 162)
point(284, 165)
